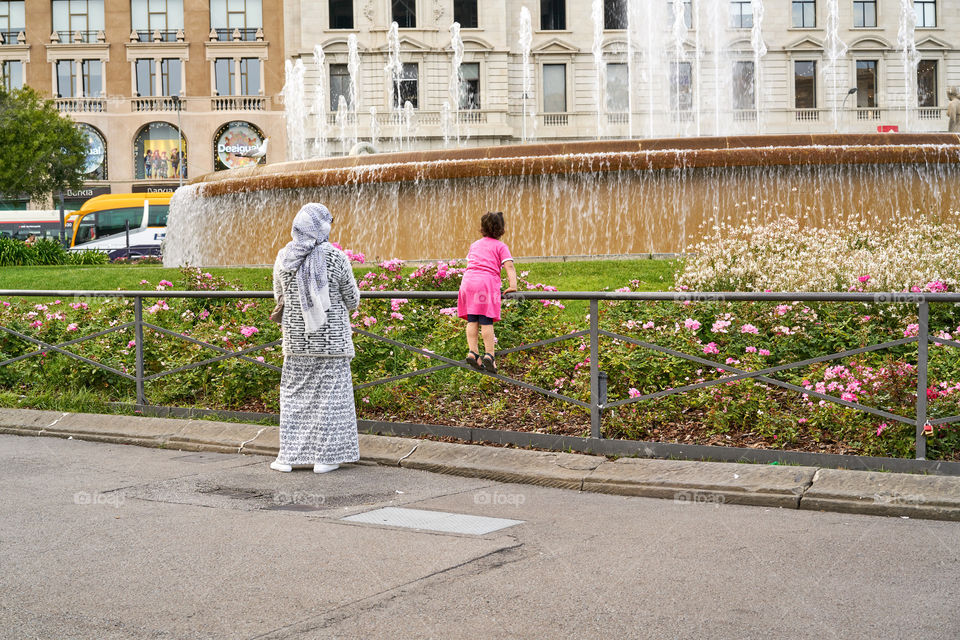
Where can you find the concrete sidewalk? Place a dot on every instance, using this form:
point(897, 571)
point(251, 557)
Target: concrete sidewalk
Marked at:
point(795, 487)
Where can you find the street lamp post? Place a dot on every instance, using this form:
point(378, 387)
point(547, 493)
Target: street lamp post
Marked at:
point(843, 105)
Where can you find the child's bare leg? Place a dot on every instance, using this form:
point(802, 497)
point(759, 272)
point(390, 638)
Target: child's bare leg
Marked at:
point(488, 339)
point(472, 331)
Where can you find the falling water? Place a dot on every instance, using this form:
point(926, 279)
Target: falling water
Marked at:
point(343, 122)
point(320, 105)
point(716, 28)
point(409, 122)
point(679, 33)
point(374, 128)
point(909, 57)
point(445, 125)
point(456, 76)
point(295, 110)
point(835, 49)
point(633, 22)
point(529, 106)
point(601, 71)
point(395, 70)
point(652, 52)
point(353, 68)
point(759, 51)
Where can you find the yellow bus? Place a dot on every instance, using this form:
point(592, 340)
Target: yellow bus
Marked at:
point(101, 224)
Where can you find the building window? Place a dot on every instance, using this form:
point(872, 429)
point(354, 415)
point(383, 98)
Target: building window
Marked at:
point(249, 76)
point(83, 16)
point(927, 83)
point(866, 83)
point(804, 14)
point(465, 12)
point(618, 83)
point(614, 14)
point(744, 86)
point(223, 76)
point(864, 13)
point(470, 87)
point(339, 85)
point(741, 14)
point(687, 12)
point(246, 16)
point(805, 84)
point(555, 88)
point(92, 72)
point(12, 20)
point(409, 86)
point(95, 164)
point(11, 74)
point(681, 86)
point(225, 72)
point(159, 153)
point(926, 12)
point(66, 79)
point(234, 139)
point(144, 68)
point(553, 15)
point(405, 13)
point(341, 14)
point(170, 76)
point(148, 16)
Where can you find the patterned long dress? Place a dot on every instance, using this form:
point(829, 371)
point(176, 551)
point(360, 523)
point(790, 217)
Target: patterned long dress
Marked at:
point(318, 419)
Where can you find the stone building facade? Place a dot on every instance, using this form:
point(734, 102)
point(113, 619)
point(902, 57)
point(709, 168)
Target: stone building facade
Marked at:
point(651, 68)
point(134, 71)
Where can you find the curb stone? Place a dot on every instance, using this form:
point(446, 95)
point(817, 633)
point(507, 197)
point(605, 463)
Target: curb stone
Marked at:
point(808, 488)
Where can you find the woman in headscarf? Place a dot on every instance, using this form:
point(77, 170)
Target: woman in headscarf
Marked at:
point(318, 419)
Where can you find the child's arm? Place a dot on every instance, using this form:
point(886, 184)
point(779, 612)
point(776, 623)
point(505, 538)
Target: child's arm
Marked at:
point(511, 276)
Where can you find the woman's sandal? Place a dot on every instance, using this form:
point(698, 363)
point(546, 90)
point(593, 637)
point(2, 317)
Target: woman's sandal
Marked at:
point(473, 361)
point(489, 363)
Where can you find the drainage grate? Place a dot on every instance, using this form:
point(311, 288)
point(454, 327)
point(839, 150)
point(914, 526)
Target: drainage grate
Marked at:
point(433, 521)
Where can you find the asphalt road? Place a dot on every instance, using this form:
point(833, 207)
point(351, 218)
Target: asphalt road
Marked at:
point(109, 541)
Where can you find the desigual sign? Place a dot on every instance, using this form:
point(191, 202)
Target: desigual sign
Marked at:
point(232, 141)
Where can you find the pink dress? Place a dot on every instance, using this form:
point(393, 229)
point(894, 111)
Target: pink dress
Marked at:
point(480, 289)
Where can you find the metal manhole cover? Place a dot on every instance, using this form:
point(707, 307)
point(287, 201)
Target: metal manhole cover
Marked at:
point(433, 521)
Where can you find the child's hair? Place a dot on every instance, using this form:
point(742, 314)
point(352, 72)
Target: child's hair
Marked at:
point(491, 224)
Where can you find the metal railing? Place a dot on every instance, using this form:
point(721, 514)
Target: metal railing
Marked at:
point(598, 402)
point(228, 35)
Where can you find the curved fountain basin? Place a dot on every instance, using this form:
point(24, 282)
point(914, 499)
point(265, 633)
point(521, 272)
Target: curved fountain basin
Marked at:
point(587, 198)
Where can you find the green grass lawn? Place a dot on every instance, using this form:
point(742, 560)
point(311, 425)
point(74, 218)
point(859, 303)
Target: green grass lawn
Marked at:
point(588, 275)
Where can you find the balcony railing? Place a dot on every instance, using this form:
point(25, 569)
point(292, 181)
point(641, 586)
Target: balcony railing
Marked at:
point(931, 113)
point(165, 36)
point(239, 103)
point(246, 35)
point(81, 105)
point(555, 119)
point(11, 37)
point(807, 115)
point(618, 118)
point(744, 115)
point(681, 116)
point(84, 37)
point(868, 113)
point(154, 103)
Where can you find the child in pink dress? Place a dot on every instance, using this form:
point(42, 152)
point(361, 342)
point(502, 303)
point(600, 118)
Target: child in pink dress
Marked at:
point(479, 299)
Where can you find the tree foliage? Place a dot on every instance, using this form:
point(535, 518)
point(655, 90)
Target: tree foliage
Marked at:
point(41, 151)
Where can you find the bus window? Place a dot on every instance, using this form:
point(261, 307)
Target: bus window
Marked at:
point(114, 221)
point(158, 215)
point(86, 231)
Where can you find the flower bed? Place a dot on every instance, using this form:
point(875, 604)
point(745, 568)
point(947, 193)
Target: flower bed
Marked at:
point(745, 335)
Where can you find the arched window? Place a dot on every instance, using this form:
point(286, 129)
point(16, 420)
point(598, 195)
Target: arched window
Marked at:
point(159, 154)
point(95, 167)
point(234, 139)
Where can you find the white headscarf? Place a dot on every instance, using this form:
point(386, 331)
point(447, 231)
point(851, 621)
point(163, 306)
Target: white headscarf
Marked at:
point(305, 255)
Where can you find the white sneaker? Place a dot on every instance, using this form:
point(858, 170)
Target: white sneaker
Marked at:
point(325, 468)
point(276, 466)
